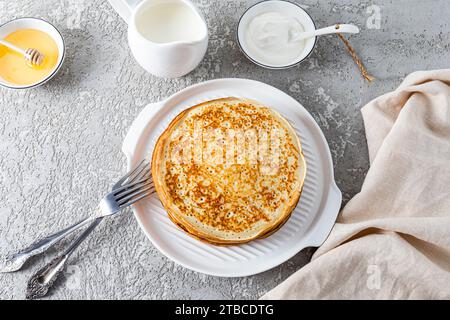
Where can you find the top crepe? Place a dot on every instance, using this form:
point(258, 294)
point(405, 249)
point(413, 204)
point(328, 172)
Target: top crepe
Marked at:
point(229, 170)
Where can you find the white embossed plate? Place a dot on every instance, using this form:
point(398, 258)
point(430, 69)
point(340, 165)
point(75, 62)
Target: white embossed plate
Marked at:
point(309, 224)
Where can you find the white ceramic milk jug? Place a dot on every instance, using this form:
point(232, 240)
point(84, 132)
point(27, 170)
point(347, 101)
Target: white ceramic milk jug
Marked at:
point(168, 38)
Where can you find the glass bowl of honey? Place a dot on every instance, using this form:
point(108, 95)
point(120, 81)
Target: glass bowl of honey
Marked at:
point(25, 33)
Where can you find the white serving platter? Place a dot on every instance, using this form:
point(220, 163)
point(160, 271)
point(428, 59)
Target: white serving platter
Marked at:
point(310, 223)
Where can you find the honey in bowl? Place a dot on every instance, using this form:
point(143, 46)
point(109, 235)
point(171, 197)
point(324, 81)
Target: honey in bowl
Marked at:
point(13, 66)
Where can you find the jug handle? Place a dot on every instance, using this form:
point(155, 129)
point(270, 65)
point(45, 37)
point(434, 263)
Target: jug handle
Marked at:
point(124, 8)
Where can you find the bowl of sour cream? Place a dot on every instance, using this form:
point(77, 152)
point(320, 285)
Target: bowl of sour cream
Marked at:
point(267, 34)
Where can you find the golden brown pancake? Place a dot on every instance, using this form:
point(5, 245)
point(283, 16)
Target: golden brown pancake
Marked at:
point(229, 171)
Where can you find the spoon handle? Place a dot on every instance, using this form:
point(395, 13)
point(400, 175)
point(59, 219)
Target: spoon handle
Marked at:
point(12, 47)
point(338, 28)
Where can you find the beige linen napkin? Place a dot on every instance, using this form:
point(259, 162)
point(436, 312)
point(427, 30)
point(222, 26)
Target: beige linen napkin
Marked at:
point(392, 240)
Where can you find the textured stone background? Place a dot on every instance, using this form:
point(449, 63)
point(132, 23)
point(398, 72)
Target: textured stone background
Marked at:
point(60, 143)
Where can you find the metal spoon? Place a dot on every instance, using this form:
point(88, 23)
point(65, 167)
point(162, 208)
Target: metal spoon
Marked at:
point(338, 28)
point(32, 56)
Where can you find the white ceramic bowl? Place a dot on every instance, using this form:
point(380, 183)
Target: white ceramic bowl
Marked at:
point(287, 8)
point(41, 25)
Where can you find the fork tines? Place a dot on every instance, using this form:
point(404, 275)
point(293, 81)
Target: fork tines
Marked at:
point(137, 185)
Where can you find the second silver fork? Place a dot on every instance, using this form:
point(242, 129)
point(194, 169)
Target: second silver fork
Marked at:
point(134, 186)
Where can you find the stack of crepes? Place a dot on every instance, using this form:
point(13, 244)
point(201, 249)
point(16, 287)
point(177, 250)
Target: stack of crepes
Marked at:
point(216, 178)
point(392, 240)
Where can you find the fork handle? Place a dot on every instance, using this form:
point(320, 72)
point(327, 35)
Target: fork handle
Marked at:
point(42, 281)
point(15, 261)
point(83, 236)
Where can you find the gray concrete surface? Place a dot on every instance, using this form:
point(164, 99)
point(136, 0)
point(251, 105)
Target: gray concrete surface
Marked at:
point(60, 143)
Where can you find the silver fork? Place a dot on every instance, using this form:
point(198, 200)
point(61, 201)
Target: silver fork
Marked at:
point(14, 262)
point(134, 186)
